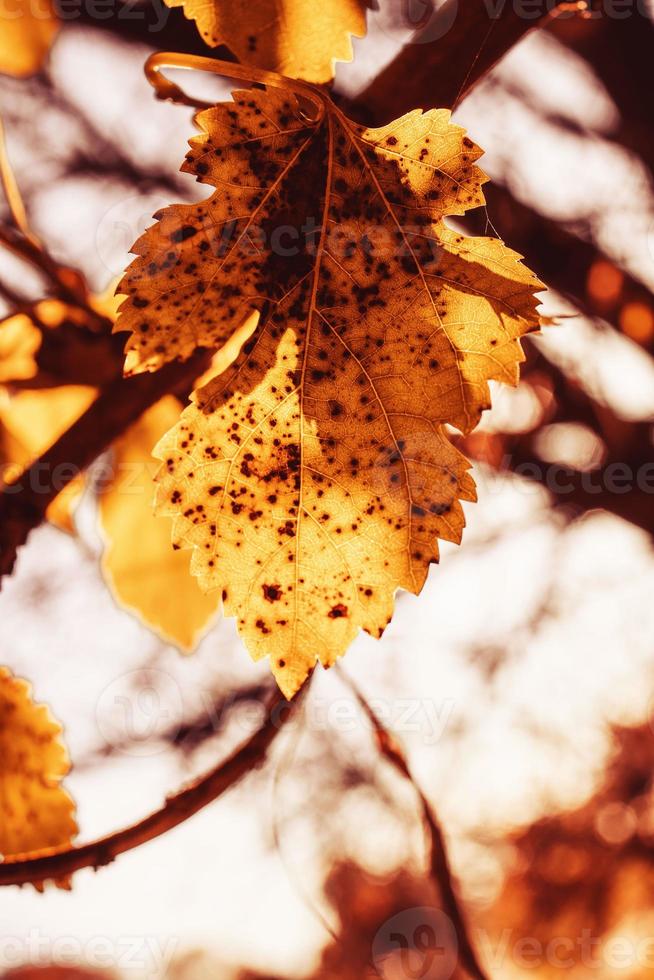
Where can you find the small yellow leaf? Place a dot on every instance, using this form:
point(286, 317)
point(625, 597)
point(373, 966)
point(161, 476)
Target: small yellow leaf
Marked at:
point(297, 38)
point(19, 342)
point(30, 422)
point(36, 813)
point(144, 573)
point(27, 31)
point(314, 476)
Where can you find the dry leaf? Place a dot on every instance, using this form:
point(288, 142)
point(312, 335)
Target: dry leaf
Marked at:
point(298, 38)
point(36, 813)
point(314, 476)
point(30, 422)
point(143, 571)
point(27, 31)
point(19, 342)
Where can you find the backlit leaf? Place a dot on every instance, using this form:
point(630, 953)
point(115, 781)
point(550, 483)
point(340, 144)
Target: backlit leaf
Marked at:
point(30, 422)
point(298, 38)
point(19, 342)
point(27, 30)
point(36, 813)
point(314, 476)
point(144, 573)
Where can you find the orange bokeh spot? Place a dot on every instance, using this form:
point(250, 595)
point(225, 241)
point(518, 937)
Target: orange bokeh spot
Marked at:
point(604, 283)
point(637, 322)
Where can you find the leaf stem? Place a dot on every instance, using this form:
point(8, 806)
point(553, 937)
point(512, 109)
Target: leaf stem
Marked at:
point(165, 89)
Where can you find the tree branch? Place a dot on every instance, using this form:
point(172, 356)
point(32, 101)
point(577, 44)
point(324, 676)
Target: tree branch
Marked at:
point(176, 810)
point(444, 60)
point(619, 51)
point(438, 860)
point(562, 259)
point(581, 491)
point(68, 284)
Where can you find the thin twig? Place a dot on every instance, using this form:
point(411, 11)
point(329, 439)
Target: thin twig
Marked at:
point(438, 859)
point(16, 302)
point(167, 90)
point(69, 284)
point(176, 810)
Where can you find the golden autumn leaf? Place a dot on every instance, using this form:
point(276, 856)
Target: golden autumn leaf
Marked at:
point(36, 813)
point(314, 476)
point(298, 38)
point(30, 422)
point(143, 571)
point(20, 339)
point(27, 31)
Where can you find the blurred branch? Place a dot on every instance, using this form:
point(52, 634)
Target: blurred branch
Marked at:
point(626, 439)
point(68, 284)
point(438, 860)
point(628, 451)
point(562, 259)
point(176, 810)
point(105, 157)
point(189, 735)
point(17, 302)
point(585, 490)
point(24, 503)
point(70, 354)
point(442, 62)
point(619, 51)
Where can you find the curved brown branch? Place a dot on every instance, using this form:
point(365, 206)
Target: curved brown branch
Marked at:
point(439, 863)
point(441, 63)
point(176, 810)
